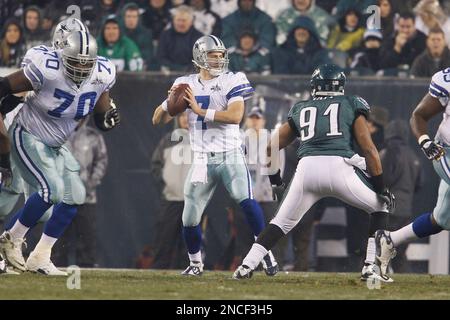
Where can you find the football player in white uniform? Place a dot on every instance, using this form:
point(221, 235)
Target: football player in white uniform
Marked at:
point(10, 195)
point(435, 102)
point(216, 99)
point(66, 85)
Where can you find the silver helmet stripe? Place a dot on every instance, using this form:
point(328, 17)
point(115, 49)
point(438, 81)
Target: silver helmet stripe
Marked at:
point(215, 40)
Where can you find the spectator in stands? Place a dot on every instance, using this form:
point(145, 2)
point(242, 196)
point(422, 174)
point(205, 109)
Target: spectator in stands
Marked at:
point(170, 175)
point(322, 20)
point(224, 7)
point(302, 51)
point(205, 20)
point(387, 13)
point(348, 33)
point(430, 15)
point(405, 45)
point(120, 49)
point(403, 176)
point(89, 149)
point(369, 55)
point(157, 16)
point(132, 27)
point(33, 33)
point(273, 8)
point(94, 12)
point(436, 57)
point(249, 56)
point(175, 44)
point(248, 17)
point(344, 5)
point(12, 45)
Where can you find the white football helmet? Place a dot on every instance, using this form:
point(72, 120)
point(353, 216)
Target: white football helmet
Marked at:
point(64, 28)
point(202, 47)
point(79, 55)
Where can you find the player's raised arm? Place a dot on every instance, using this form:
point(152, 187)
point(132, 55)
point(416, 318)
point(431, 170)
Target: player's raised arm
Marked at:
point(106, 114)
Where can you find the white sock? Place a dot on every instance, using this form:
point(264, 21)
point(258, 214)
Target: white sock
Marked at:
point(45, 245)
point(370, 252)
point(18, 230)
point(404, 234)
point(254, 257)
point(195, 257)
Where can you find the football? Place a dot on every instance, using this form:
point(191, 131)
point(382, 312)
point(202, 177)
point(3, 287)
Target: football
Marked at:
point(175, 103)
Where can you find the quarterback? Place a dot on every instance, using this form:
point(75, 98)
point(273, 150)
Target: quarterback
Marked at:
point(65, 86)
point(216, 98)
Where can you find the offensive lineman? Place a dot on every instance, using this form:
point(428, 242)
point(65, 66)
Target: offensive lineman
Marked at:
point(436, 101)
point(328, 166)
point(216, 98)
point(66, 86)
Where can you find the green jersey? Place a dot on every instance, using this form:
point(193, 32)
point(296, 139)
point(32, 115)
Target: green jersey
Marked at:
point(324, 125)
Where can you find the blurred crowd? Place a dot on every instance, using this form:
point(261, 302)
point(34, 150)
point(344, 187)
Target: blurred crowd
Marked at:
point(263, 36)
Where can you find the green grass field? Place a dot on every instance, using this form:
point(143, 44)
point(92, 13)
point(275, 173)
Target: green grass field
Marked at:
point(131, 284)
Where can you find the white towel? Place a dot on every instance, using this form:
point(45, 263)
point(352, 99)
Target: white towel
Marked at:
point(200, 168)
point(357, 161)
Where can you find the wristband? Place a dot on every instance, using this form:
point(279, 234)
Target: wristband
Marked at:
point(422, 138)
point(209, 116)
point(164, 105)
point(378, 183)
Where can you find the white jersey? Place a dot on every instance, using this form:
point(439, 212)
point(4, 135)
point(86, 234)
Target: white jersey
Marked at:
point(9, 119)
point(52, 111)
point(439, 89)
point(215, 94)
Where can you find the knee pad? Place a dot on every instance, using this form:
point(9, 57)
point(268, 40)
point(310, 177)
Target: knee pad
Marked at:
point(54, 193)
point(191, 216)
point(75, 191)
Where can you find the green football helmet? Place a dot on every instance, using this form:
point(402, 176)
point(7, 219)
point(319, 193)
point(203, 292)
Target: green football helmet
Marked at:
point(328, 80)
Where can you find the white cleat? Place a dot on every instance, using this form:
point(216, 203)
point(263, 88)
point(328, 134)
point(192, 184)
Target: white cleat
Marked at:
point(372, 271)
point(194, 269)
point(11, 250)
point(43, 265)
point(270, 265)
point(385, 250)
point(243, 272)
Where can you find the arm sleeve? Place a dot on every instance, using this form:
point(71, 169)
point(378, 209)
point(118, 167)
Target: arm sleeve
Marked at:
point(439, 86)
point(239, 88)
point(34, 75)
point(360, 106)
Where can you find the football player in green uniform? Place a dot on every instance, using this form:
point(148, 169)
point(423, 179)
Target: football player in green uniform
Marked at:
point(328, 166)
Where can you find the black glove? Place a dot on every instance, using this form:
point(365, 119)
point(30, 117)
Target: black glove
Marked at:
point(5, 171)
point(9, 103)
point(432, 150)
point(112, 117)
point(278, 186)
point(388, 197)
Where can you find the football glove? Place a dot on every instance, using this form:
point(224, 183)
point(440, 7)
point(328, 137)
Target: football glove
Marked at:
point(112, 117)
point(9, 103)
point(432, 150)
point(278, 186)
point(389, 199)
